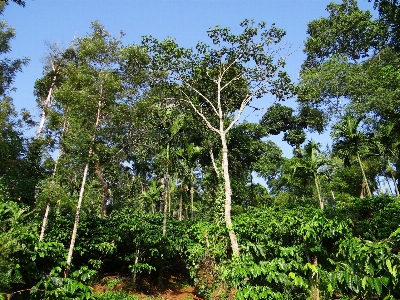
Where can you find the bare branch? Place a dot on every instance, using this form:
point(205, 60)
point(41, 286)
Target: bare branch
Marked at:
point(244, 104)
point(230, 65)
point(232, 80)
point(209, 125)
point(199, 93)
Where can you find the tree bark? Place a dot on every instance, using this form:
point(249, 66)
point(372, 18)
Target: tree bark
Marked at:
point(228, 196)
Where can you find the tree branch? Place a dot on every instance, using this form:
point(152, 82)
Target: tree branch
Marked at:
point(200, 113)
point(199, 93)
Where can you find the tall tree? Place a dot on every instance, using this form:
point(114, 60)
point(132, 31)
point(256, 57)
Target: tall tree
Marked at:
point(217, 82)
point(99, 84)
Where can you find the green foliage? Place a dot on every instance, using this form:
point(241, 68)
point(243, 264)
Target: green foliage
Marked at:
point(115, 295)
point(124, 112)
point(12, 228)
point(56, 287)
point(279, 118)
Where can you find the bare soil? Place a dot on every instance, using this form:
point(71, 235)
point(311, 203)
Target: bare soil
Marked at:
point(174, 288)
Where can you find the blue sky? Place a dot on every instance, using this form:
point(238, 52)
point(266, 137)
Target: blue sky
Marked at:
point(58, 21)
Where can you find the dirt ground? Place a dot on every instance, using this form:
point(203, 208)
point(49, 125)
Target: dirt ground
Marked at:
point(174, 288)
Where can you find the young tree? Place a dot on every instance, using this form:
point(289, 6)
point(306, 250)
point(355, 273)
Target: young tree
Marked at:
point(219, 81)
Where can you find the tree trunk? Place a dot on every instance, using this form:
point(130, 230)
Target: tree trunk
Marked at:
point(180, 206)
point(78, 207)
point(191, 202)
point(134, 270)
point(362, 193)
point(321, 203)
point(166, 193)
point(46, 213)
point(44, 223)
point(104, 190)
point(77, 214)
point(333, 195)
point(363, 173)
point(314, 281)
point(228, 196)
point(47, 104)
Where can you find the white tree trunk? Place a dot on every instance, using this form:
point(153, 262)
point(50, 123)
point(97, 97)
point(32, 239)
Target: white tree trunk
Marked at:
point(228, 196)
point(166, 193)
point(44, 223)
point(191, 202)
point(180, 206)
point(78, 207)
point(47, 104)
point(77, 214)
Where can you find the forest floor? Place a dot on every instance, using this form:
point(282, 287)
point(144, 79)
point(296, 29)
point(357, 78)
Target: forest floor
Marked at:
point(174, 288)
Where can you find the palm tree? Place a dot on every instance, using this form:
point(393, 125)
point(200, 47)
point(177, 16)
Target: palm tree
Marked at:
point(349, 142)
point(311, 162)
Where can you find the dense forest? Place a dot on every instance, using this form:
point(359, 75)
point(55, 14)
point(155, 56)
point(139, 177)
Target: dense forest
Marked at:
point(141, 167)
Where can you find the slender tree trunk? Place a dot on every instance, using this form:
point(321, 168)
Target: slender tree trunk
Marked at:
point(46, 213)
point(169, 196)
point(77, 214)
point(180, 206)
point(78, 207)
point(362, 193)
point(104, 190)
point(135, 271)
point(321, 203)
point(314, 281)
point(191, 202)
point(363, 173)
point(333, 195)
point(47, 104)
point(44, 223)
point(166, 192)
point(228, 196)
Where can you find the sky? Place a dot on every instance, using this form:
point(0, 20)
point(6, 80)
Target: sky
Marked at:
point(42, 22)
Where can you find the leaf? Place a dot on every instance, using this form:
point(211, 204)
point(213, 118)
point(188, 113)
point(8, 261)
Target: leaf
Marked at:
point(385, 281)
point(364, 282)
point(292, 275)
point(389, 265)
point(378, 286)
